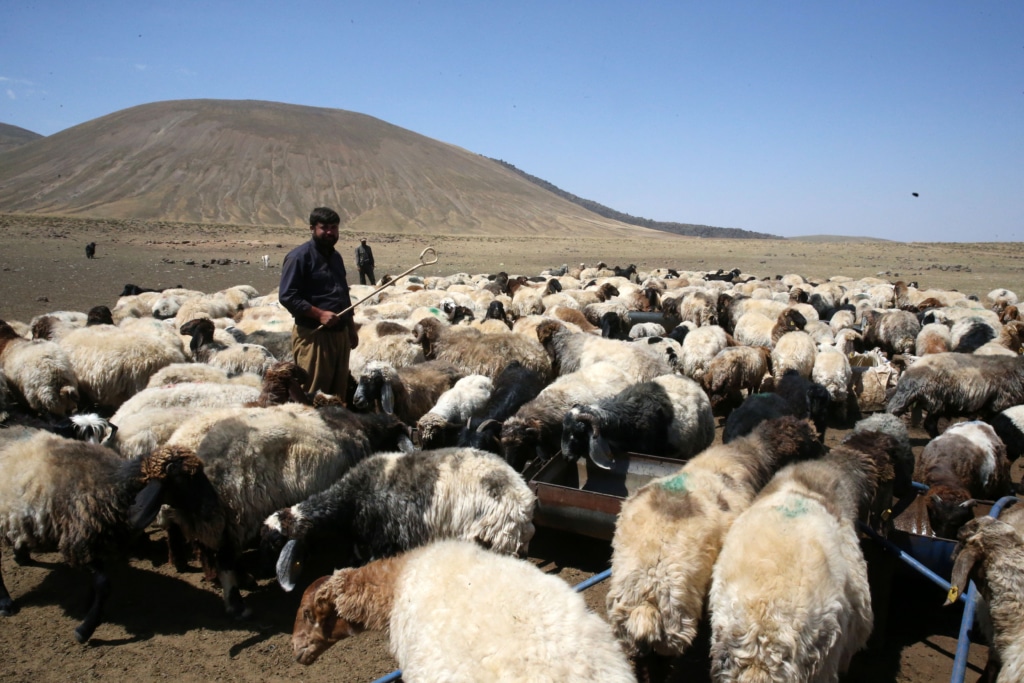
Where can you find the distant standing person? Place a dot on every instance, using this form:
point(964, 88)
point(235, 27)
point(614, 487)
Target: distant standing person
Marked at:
point(314, 289)
point(364, 261)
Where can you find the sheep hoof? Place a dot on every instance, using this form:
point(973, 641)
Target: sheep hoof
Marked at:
point(83, 633)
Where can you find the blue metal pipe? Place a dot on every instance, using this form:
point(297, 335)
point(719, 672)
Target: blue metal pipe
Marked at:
point(963, 643)
point(908, 558)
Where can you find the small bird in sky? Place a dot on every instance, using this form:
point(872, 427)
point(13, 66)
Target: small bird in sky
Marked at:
point(915, 194)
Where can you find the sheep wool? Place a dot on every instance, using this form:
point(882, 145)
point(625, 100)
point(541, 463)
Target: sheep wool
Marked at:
point(457, 613)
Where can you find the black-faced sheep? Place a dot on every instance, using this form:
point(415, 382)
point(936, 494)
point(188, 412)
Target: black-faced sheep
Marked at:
point(670, 416)
point(789, 597)
point(964, 463)
point(991, 552)
point(84, 501)
point(959, 384)
point(440, 426)
point(536, 428)
point(407, 392)
point(514, 622)
point(39, 373)
point(234, 359)
point(669, 533)
point(512, 389)
point(755, 409)
point(392, 502)
point(479, 354)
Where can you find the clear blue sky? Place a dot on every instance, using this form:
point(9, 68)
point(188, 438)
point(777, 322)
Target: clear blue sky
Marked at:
point(792, 118)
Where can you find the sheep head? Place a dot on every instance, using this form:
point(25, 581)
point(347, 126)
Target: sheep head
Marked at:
point(973, 541)
point(317, 623)
point(283, 382)
point(375, 386)
point(520, 439)
point(174, 476)
point(426, 333)
point(581, 436)
point(949, 509)
point(431, 429)
point(200, 329)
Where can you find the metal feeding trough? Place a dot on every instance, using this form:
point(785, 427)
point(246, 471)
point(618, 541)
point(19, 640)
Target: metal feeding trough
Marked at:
point(584, 499)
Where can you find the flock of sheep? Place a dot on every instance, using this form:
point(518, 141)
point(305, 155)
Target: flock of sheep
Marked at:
point(182, 410)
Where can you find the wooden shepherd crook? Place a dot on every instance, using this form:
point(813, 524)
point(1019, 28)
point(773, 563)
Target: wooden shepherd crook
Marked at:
point(423, 262)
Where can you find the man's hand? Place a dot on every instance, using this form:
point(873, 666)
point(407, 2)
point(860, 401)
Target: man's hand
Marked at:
point(327, 318)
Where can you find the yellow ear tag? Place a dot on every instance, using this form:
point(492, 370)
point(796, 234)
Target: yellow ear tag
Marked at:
point(953, 594)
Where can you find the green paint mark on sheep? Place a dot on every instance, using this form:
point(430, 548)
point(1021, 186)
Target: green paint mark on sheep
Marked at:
point(794, 507)
point(676, 484)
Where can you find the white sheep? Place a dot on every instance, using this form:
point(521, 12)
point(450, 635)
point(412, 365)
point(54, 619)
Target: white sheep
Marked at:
point(112, 365)
point(38, 373)
point(454, 612)
point(699, 347)
point(789, 597)
point(793, 351)
point(669, 533)
point(453, 408)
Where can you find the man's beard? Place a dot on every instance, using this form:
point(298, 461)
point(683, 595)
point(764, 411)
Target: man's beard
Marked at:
point(325, 242)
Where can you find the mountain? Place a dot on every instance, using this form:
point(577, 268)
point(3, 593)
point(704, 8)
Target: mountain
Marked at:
point(688, 229)
point(249, 162)
point(13, 136)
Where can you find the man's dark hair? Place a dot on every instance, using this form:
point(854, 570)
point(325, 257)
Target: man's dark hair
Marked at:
point(322, 214)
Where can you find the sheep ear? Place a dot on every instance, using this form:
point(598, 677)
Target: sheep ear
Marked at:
point(387, 399)
point(289, 564)
point(962, 569)
point(110, 432)
point(601, 452)
point(147, 504)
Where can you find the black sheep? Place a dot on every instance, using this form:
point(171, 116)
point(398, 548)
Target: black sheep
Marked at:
point(514, 386)
point(90, 250)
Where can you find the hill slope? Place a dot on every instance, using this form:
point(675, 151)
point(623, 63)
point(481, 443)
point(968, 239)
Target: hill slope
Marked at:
point(13, 136)
point(266, 163)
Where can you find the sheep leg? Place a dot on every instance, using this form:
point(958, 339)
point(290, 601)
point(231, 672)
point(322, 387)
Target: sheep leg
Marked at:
point(179, 552)
point(7, 606)
point(23, 555)
point(98, 594)
point(227, 562)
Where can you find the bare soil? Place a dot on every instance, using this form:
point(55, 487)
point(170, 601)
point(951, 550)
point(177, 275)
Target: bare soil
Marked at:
point(164, 625)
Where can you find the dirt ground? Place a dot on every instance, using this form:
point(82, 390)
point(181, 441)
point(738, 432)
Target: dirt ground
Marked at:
point(163, 625)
